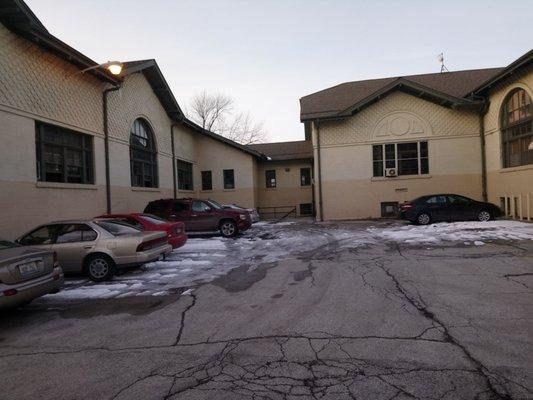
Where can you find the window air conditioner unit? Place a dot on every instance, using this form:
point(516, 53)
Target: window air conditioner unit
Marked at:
point(390, 172)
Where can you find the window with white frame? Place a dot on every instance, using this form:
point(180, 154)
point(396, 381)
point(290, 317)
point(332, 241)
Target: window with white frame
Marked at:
point(407, 158)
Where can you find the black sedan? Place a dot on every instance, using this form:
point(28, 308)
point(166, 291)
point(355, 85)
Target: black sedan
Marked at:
point(447, 207)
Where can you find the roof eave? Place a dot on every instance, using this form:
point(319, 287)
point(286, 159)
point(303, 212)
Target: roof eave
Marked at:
point(222, 139)
point(406, 86)
point(507, 72)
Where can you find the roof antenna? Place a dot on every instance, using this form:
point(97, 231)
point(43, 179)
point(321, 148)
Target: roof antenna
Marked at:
point(443, 68)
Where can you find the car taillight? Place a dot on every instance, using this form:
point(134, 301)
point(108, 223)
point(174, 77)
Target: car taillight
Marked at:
point(10, 292)
point(55, 258)
point(405, 207)
point(150, 244)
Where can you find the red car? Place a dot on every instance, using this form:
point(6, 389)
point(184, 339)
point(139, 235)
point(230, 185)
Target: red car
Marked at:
point(201, 215)
point(147, 222)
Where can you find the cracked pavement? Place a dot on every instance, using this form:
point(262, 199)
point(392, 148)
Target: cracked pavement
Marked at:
point(340, 321)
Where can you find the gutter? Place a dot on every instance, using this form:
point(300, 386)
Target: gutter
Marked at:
point(174, 188)
point(482, 113)
point(106, 146)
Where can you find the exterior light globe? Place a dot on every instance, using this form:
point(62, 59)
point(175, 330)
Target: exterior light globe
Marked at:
point(114, 67)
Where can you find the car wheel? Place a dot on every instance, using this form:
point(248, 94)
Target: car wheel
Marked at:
point(484, 216)
point(228, 228)
point(423, 219)
point(99, 268)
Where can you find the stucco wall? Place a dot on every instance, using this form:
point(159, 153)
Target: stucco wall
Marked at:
point(215, 156)
point(288, 191)
point(348, 188)
point(512, 183)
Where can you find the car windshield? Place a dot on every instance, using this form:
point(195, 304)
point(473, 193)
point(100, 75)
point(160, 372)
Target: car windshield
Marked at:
point(153, 219)
point(215, 204)
point(4, 244)
point(117, 228)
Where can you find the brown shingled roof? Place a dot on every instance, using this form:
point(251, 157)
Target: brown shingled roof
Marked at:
point(335, 101)
point(283, 151)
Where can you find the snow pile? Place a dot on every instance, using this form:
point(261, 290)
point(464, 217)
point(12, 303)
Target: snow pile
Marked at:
point(204, 259)
point(466, 232)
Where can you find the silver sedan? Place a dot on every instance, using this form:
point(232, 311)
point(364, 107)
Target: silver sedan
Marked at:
point(26, 273)
point(97, 247)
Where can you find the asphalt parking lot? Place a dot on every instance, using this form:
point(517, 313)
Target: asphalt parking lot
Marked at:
point(365, 310)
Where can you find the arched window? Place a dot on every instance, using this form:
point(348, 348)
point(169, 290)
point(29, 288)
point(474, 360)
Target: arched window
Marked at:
point(143, 155)
point(516, 127)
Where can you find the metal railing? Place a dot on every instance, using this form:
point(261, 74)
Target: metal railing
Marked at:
point(280, 212)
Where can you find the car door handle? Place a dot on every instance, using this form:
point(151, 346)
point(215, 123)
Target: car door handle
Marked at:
point(87, 247)
point(194, 215)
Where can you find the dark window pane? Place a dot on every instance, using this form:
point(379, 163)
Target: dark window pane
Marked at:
point(423, 149)
point(407, 158)
point(390, 156)
point(517, 132)
point(207, 181)
point(229, 179)
point(424, 166)
point(143, 155)
point(185, 176)
point(378, 168)
point(305, 176)
point(408, 167)
point(270, 177)
point(377, 152)
point(63, 156)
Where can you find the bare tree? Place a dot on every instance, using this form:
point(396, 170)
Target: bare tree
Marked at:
point(215, 113)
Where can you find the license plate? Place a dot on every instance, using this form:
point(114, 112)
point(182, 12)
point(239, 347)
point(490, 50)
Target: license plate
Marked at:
point(29, 268)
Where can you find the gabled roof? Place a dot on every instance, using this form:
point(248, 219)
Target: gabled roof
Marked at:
point(506, 72)
point(19, 18)
point(448, 89)
point(187, 122)
point(154, 76)
point(284, 151)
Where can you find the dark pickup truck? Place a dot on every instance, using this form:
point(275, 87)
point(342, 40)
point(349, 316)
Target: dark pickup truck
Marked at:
point(201, 215)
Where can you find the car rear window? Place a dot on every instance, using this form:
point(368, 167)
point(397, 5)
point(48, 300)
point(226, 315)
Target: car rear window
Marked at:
point(156, 207)
point(117, 228)
point(4, 244)
point(153, 219)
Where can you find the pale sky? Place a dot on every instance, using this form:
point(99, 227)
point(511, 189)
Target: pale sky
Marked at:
point(268, 54)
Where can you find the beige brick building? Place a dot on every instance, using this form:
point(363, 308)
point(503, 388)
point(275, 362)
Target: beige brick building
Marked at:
point(55, 122)
point(75, 145)
point(381, 142)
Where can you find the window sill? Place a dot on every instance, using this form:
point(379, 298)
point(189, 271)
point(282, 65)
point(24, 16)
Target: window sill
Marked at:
point(399, 178)
point(144, 189)
point(229, 190)
point(61, 185)
point(186, 191)
point(514, 169)
point(207, 191)
point(271, 188)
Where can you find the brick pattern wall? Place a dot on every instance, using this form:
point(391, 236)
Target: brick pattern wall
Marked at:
point(137, 99)
point(443, 121)
point(37, 82)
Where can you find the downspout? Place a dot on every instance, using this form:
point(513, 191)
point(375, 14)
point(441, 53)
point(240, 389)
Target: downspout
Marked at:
point(106, 147)
point(319, 170)
point(174, 188)
point(482, 113)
